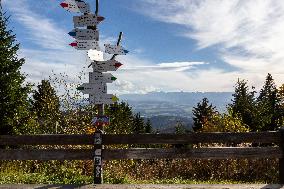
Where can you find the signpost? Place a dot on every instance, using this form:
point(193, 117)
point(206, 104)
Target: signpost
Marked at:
point(87, 20)
point(76, 6)
point(104, 66)
point(103, 99)
point(95, 55)
point(87, 36)
point(85, 45)
point(115, 49)
point(90, 88)
point(98, 77)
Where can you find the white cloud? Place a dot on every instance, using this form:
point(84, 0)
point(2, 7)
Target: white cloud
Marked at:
point(246, 34)
point(40, 30)
point(172, 66)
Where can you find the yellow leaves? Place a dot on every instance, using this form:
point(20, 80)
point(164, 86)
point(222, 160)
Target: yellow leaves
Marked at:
point(224, 123)
point(90, 130)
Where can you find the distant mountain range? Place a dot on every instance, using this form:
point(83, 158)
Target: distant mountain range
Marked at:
point(166, 109)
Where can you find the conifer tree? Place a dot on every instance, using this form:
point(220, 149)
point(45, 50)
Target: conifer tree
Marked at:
point(202, 113)
point(138, 124)
point(46, 106)
point(269, 105)
point(148, 127)
point(121, 118)
point(244, 105)
point(14, 106)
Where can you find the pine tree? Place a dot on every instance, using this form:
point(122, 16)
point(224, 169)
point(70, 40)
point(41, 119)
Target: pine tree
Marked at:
point(148, 127)
point(179, 128)
point(121, 119)
point(46, 106)
point(281, 105)
point(138, 124)
point(244, 105)
point(14, 106)
point(202, 113)
point(269, 105)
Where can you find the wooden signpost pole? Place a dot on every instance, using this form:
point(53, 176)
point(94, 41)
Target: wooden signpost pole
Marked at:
point(98, 147)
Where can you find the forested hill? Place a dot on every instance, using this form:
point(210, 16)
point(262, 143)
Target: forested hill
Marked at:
point(174, 103)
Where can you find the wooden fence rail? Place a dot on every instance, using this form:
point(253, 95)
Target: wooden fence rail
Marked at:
point(20, 147)
point(107, 139)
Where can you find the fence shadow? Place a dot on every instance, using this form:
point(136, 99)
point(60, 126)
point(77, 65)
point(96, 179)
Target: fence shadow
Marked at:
point(66, 186)
point(273, 186)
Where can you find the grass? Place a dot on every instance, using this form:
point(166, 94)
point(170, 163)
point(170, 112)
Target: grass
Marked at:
point(41, 178)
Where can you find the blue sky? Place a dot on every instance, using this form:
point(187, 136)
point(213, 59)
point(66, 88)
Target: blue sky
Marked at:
point(181, 45)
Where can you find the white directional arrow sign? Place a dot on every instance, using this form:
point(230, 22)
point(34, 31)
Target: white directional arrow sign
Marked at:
point(92, 88)
point(97, 77)
point(104, 66)
point(85, 34)
point(96, 55)
point(87, 20)
point(115, 49)
point(85, 45)
point(103, 99)
point(77, 6)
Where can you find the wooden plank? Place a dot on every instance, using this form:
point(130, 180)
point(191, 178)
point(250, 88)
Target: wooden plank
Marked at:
point(259, 137)
point(39, 154)
point(197, 153)
point(110, 154)
point(47, 140)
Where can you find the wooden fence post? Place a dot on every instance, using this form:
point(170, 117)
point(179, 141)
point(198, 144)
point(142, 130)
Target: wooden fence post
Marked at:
point(281, 160)
point(98, 167)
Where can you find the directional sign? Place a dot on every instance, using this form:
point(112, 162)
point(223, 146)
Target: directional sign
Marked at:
point(115, 49)
point(87, 20)
point(93, 88)
point(85, 34)
point(96, 55)
point(76, 6)
point(85, 45)
point(103, 99)
point(104, 66)
point(97, 77)
point(100, 121)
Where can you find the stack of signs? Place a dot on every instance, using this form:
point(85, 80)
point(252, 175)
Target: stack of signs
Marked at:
point(87, 38)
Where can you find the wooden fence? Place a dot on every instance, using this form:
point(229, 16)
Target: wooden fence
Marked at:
point(273, 151)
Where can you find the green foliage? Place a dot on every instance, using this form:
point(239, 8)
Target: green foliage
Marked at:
point(148, 127)
point(121, 118)
point(14, 106)
point(269, 106)
point(225, 122)
point(46, 106)
point(244, 105)
point(179, 128)
point(202, 113)
point(138, 124)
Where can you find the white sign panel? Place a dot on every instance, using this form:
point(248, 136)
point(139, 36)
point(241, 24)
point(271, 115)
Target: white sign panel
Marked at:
point(92, 88)
point(85, 34)
point(96, 55)
point(104, 66)
point(97, 77)
point(85, 45)
point(87, 20)
point(114, 49)
point(76, 6)
point(102, 99)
